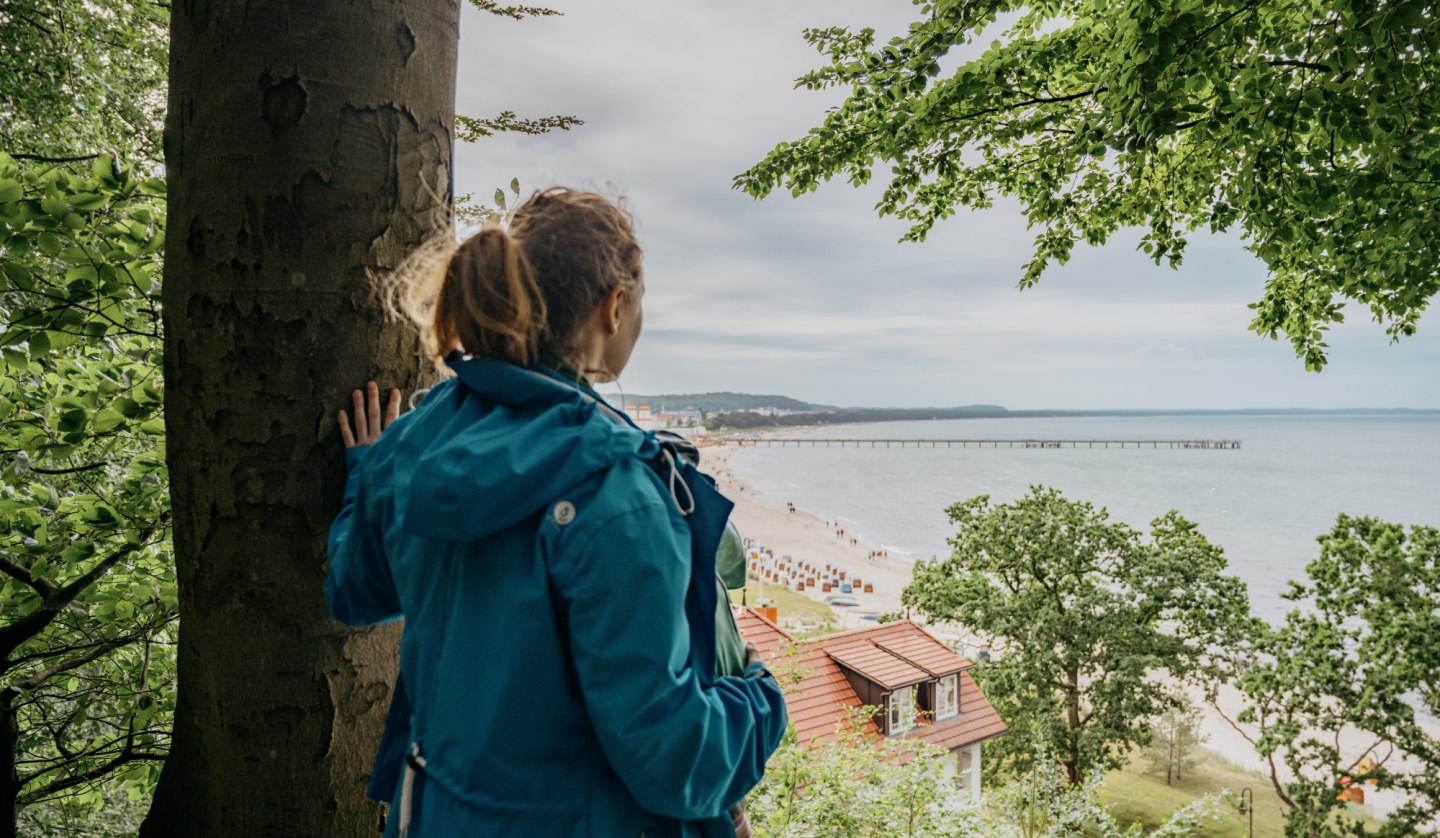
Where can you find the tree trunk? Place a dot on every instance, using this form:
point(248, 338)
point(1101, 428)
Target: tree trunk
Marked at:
point(9, 775)
point(306, 144)
point(1072, 719)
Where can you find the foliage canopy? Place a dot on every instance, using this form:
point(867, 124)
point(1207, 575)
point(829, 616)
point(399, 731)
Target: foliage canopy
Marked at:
point(78, 77)
point(1335, 692)
point(87, 591)
point(1313, 129)
point(86, 584)
point(1084, 615)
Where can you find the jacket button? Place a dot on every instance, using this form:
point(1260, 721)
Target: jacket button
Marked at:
point(563, 513)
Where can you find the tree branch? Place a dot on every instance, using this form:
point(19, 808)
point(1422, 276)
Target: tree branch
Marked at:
point(15, 663)
point(127, 755)
point(1308, 65)
point(12, 635)
point(40, 585)
point(75, 470)
point(1025, 104)
point(45, 674)
point(41, 158)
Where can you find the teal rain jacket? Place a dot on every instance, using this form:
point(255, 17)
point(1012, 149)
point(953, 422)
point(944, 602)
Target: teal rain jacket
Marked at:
point(558, 651)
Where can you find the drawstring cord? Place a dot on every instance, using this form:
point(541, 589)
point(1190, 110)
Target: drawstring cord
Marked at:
point(676, 481)
point(413, 763)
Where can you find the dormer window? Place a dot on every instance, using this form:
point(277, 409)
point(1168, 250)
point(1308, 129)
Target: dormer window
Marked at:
point(947, 697)
point(902, 710)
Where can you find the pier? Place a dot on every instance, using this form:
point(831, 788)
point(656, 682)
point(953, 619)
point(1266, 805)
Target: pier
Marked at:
point(834, 442)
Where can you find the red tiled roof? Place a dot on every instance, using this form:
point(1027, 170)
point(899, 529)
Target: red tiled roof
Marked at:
point(766, 636)
point(874, 663)
point(819, 696)
point(924, 651)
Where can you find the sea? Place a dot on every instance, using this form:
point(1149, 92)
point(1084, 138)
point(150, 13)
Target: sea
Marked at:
point(1264, 503)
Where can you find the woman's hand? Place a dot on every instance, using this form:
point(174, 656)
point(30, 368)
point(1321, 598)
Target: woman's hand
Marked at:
point(752, 655)
point(369, 422)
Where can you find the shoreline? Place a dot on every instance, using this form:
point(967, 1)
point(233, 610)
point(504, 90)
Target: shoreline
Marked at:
point(804, 536)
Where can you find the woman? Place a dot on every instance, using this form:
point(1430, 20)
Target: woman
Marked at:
point(554, 564)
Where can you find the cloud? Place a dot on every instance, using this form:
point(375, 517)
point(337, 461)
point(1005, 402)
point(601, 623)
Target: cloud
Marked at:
point(814, 297)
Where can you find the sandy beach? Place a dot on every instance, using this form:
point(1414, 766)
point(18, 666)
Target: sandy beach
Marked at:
point(805, 537)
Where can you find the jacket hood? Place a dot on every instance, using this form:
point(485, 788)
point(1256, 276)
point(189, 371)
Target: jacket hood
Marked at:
point(497, 445)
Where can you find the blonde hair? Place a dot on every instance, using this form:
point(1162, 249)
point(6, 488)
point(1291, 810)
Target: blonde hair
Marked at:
point(518, 295)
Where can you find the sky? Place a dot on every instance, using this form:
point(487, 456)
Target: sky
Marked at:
point(813, 297)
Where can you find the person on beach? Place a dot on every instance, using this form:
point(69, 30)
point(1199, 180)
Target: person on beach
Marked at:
point(555, 565)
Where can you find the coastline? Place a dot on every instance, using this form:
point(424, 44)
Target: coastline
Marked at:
point(806, 537)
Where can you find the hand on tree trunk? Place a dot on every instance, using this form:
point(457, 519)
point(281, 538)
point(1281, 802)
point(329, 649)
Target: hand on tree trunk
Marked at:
point(369, 421)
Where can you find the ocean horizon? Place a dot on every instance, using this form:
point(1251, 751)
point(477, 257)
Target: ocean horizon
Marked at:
point(1263, 504)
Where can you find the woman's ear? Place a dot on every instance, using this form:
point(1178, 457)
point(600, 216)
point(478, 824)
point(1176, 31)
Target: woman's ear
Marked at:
point(612, 310)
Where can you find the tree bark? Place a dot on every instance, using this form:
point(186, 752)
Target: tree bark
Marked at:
point(1072, 719)
point(306, 145)
point(9, 776)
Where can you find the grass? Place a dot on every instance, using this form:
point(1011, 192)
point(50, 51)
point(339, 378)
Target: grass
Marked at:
point(1136, 795)
point(791, 605)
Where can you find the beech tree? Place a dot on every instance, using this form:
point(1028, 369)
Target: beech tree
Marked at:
point(87, 584)
point(1334, 694)
point(308, 145)
point(1312, 128)
point(1084, 615)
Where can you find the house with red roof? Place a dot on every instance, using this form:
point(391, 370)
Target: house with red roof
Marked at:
point(922, 687)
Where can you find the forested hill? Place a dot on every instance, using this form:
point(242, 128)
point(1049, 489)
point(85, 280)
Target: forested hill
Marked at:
point(746, 419)
point(722, 402)
point(839, 416)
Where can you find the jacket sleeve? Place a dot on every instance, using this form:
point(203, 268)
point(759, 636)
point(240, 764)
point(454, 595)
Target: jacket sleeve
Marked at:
point(683, 748)
point(359, 589)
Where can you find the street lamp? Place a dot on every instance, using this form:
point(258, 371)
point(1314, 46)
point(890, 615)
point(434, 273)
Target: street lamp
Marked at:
point(1247, 810)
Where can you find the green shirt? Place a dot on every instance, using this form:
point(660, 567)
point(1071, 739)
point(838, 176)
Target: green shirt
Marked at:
point(730, 573)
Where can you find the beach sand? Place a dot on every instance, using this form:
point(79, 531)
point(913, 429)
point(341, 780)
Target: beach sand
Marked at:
point(806, 537)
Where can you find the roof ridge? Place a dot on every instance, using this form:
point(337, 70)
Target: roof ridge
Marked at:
point(918, 665)
point(852, 633)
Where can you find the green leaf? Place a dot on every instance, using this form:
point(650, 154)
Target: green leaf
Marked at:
point(106, 420)
point(39, 343)
point(103, 168)
point(72, 421)
point(87, 201)
point(19, 275)
point(9, 191)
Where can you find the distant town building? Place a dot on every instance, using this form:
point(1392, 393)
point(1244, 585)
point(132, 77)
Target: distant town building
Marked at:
point(643, 416)
point(923, 688)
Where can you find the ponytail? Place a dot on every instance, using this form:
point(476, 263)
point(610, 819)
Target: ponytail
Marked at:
point(519, 296)
point(490, 303)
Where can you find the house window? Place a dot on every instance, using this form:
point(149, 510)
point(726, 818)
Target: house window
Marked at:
point(967, 770)
point(947, 697)
point(902, 710)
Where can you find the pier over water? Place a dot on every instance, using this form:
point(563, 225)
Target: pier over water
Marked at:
point(835, 442)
